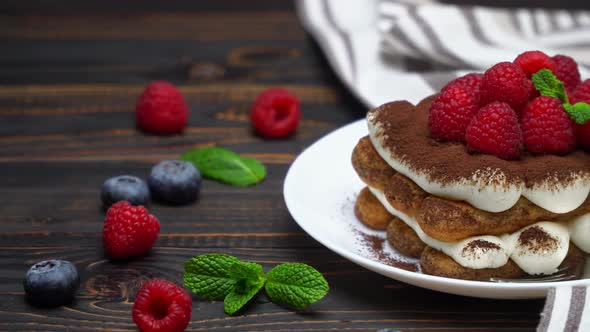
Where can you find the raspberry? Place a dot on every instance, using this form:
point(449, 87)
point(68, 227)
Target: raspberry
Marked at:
point(566, 70)
point(275, 113)
point(128, 230)
point(451, 112)
point(581, 93)
point(161, 109)
point(162, 306)
point(505, 82)
point(471, 81)
point(583, 133)
point(494, 130)
point(532, 61)
point(547, 128)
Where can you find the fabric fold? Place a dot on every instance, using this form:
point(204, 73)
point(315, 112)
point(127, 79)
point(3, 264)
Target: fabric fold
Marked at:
point(473, 37)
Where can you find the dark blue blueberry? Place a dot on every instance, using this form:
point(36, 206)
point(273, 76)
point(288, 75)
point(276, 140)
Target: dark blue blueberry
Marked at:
point(175, 182)
point(125, 188)
point(51, 283)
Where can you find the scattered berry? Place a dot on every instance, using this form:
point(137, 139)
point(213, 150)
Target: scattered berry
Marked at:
point(495, 130)
point(566, 70)
point(128, 230)
point(175, 182)
point(161, 109)
point(451, 112)
point(547, 128)
point(532, 61)
point(581, 93)
point(125, 188)
point(51, 283)
point(471, 81)
point(275, 113)
point(505, 82)
point(162, 306)
point(583, 133)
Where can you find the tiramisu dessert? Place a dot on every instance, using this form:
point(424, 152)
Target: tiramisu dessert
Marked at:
point(488, 178)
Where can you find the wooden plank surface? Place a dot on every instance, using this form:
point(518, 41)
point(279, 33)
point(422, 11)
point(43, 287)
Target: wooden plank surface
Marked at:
point(70, 73)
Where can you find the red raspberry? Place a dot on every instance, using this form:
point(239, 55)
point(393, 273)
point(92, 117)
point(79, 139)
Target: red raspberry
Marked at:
point(581, 93)
point(161, 109)
point(566, 70)
point(532, 61)
point(507, 83)
point(162, 306)
point(494, 130)
point(451, 112)
point(128, 230)
point(583, 133)
point(471, 81)
point(275, 113)
point(547, 128)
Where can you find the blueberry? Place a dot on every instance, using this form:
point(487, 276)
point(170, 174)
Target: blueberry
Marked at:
point(388, 330)
point(175, 182)
point(51, 283)
point(125, 188)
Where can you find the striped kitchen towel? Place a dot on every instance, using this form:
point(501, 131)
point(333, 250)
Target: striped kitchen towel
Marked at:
point(472, 37)
point(566, 309)
point(373, 46)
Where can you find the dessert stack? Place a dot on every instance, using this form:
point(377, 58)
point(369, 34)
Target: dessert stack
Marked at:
point(490, 177)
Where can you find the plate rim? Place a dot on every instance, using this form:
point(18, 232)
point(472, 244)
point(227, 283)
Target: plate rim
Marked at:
point(400, 274)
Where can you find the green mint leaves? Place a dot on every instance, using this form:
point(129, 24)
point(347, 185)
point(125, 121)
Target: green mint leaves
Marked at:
point(579, 112)
point(548, 85)
point(295, 284)
point(220, 276)
point(208, 275)
point(226, 166)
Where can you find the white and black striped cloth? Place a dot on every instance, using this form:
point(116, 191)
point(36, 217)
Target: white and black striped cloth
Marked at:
point(479, 37)
point(566, 309)
point(373, 44)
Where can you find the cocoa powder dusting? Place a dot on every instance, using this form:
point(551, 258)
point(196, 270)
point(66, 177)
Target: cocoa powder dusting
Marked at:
point(406, 135)
point(375, 246)
point(537, 240)
point(475, 247)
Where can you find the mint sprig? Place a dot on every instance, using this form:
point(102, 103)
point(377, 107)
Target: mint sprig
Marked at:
point(238, 297)
point(226, 166)
point(247, 276)
point(220, 276)
point(548, 85)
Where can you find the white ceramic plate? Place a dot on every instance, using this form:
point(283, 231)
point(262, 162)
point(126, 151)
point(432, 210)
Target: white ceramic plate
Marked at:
point(320, 191)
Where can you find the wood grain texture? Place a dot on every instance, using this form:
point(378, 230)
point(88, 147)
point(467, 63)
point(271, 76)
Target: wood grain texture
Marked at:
point(70, 73)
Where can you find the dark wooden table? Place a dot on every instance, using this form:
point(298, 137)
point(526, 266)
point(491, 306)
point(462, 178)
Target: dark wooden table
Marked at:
point(70, 72)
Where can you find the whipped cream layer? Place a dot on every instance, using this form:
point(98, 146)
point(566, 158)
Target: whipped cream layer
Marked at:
point(537, 249)
point(488, 188)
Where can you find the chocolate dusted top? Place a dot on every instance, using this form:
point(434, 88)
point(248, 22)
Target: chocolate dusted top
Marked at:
point(537, 240)
point(476, 246)
point(407, 137)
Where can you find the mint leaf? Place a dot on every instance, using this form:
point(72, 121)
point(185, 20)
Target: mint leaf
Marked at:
point(246, 274)
point(236, 299)
point(295, 284)
point(249, 280)
point(548, 85)
point(226, 166)
point(208, 275)
point(579, 112)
